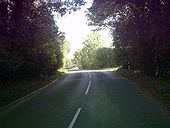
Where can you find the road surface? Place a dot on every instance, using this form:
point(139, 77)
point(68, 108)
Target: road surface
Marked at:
point(88, 99)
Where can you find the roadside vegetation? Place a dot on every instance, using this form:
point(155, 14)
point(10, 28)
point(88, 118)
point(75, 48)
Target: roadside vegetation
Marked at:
point(32, 49)
point(93, 55)
point(140, 31)
point(141, 42)
point(15, 89)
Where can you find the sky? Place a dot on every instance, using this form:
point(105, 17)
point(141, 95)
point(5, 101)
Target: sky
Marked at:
point(75, 27)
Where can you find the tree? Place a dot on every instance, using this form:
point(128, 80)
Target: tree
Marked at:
point(105, 58)
point(85, 58)
point(30, 42)
point(140, 31)
point(78, 59)
point(65, 47)
point(93, 55)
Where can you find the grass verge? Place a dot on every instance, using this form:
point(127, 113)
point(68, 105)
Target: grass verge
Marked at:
point(15, 89)
point(158, 87)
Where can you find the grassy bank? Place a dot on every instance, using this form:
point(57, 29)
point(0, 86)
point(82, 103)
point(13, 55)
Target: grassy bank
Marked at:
point(159, 87)
point(15, 89)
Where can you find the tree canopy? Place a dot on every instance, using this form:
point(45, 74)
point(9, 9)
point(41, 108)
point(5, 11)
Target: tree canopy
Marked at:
point(30, 42)
point(140, 30)
point(93, 55)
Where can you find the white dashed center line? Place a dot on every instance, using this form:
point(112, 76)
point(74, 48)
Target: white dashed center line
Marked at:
point(87, 90)
point(78, 111)
point(89, 75)
point(74, 118)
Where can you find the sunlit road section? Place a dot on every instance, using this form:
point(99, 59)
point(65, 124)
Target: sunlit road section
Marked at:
point(88, 99)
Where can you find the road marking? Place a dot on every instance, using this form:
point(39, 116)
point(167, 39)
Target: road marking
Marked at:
point(24, 98)
point(74, 118)
point(87, 90)
point(89, 75)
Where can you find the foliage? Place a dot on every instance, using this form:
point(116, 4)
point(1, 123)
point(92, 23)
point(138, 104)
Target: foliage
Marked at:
point(30, 42)
point(69, 64)
point(85, 58)
point(140, 29)
point(65, 48)
point(15, 89)
point(93, 55)
point(105, 58)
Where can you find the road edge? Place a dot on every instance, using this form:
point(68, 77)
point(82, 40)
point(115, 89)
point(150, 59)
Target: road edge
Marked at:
point(148, 91)
point(24, 98)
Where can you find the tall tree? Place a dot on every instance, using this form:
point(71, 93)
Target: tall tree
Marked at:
point(140, 31)
point(105, 58)
point(93, 55)
point(29, 37)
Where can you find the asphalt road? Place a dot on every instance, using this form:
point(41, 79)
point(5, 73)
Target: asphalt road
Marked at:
point(89, 99)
